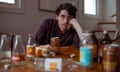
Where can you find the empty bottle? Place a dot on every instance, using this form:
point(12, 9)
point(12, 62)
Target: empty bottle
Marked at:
point(5, 49)
point(18, 52)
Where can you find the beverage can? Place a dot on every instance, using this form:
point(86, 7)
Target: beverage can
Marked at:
point(110, 58)
point(86, 56)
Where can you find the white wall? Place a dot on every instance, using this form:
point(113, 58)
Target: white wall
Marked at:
point(31, 19)
point(118, 16)
point(87, 22)
point(109, 8)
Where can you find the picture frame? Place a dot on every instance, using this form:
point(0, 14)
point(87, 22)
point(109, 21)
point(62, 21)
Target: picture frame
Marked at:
point(51, 5)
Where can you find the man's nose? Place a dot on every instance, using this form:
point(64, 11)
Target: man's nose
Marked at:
point(66, 21)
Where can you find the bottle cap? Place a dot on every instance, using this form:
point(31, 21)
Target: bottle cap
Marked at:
point(17, 36)
point(3, 35)
point(105, 31)
point(84, 35)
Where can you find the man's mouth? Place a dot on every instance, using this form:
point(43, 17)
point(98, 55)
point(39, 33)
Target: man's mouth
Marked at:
point(65, 26)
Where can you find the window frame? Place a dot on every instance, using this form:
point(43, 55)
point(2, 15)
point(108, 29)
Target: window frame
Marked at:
point(18, 7)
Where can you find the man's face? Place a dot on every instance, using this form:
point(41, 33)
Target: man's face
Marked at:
point(64, 20)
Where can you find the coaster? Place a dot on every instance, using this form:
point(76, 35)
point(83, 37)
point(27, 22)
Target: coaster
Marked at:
point(53, 64)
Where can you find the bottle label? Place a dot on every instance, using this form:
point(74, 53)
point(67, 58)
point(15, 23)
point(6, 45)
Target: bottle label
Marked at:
point(30, 51)
point(18, 58)
point(38, 52)
point(86, 56)
point(101, 50)
point(15, 59)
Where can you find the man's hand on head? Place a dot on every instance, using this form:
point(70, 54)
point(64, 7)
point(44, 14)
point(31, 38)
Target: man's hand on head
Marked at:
point(73, 22)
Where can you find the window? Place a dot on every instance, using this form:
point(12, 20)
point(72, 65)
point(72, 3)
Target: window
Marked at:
point(8, 1)
point(90, 7)
point(12, 6)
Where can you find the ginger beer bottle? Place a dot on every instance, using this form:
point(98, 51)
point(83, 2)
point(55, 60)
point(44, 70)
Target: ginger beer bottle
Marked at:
point(30, 47)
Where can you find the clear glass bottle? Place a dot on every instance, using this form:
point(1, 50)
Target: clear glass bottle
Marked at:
point(86, 49)
point(18, 52)
point(5, 49)
point(30, 47)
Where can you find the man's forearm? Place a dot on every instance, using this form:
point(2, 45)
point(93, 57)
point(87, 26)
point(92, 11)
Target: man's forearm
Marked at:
point(77, 27)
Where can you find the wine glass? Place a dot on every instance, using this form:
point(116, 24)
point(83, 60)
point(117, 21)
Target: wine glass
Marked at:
point(39, 64)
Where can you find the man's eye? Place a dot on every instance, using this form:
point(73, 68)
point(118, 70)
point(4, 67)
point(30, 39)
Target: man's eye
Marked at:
point(62, 16)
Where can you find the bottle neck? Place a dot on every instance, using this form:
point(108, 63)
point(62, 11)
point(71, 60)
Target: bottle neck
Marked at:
point(18, 46)
point(106, 39)
point(30, 40)
point(94, 38)
point(5, 44)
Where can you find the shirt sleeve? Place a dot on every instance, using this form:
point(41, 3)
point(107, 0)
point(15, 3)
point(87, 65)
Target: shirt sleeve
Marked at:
point(41, 33)
point(76, 41)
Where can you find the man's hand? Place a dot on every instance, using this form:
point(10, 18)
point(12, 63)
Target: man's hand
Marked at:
point(74, 22)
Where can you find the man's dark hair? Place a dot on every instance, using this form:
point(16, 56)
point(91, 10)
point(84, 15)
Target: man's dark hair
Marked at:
point(68, 7)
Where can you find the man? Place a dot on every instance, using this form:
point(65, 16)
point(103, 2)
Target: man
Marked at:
point(65, 26)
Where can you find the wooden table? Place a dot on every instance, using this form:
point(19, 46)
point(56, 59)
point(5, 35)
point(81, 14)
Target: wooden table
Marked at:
point(64, 53)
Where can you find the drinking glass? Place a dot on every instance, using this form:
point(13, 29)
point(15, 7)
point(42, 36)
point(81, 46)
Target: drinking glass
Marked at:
point(39, 64)
point(72, 64)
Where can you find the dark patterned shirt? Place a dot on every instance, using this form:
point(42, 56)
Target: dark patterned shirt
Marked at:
point(50, 28)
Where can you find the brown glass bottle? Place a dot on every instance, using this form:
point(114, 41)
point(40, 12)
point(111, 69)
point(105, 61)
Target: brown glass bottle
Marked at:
point(104, 40)
point(95, 47)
